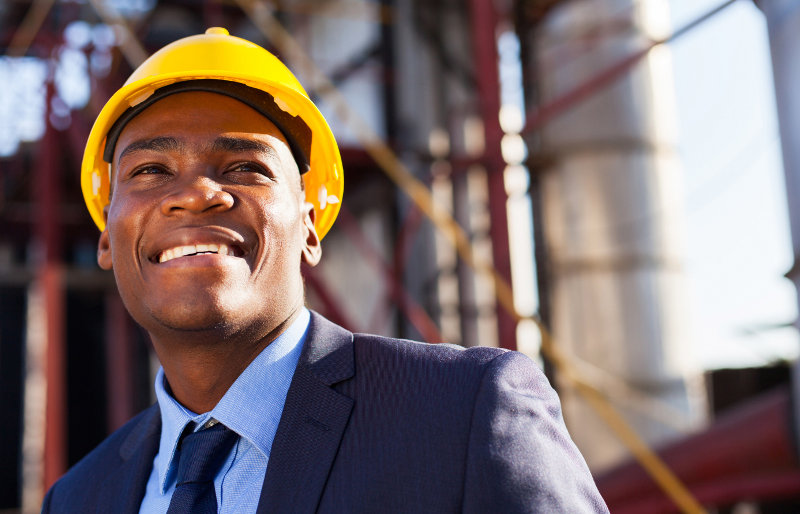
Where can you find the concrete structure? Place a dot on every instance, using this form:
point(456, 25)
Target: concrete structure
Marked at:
point(783, 23)
point(610, 193)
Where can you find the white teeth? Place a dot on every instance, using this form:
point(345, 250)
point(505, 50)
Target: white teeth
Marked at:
point(180, 251)
point(166, 255)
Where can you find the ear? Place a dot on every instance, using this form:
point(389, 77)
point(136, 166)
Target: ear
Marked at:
point(312, 250)
point(104, 245)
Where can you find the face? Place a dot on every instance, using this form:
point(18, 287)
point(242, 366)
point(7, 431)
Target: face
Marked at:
point(207, 224)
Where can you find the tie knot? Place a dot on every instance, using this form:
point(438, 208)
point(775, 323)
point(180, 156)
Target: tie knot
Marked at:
point(203, 452)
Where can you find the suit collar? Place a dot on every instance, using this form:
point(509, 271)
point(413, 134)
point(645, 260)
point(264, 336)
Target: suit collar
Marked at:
point(145, 428)
point(311, 426)
point(124, 487)
point(328, 353)
point(313, 421)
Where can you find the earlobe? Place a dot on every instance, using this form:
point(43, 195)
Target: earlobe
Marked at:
point(312, 249)
point(104, 246)
point(104, 251)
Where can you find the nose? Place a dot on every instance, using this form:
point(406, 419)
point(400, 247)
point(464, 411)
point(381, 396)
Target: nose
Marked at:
point(197, 194)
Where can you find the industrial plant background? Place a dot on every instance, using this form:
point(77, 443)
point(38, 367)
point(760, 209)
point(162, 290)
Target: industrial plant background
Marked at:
point(609, 186)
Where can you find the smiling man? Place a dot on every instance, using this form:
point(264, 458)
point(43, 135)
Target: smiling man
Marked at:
point(213, 177)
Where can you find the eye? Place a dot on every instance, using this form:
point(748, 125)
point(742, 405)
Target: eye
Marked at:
point(249, 173)
point(148, 169)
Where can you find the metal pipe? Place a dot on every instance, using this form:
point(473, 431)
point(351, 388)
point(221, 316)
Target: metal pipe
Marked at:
point(747, 454)
point(483, 24)
point(546, 112)
point(783, 485)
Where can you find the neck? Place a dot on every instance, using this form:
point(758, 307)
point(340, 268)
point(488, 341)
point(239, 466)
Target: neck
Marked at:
point(199, 374)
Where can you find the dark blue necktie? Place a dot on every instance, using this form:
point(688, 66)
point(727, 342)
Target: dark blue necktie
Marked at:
point(201, 455)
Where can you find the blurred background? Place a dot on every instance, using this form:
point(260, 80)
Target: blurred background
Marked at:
point(623, 176)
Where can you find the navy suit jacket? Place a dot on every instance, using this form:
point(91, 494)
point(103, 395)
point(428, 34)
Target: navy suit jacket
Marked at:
point(373, 424)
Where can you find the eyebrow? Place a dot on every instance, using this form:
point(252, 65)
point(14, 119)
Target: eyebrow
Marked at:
point(223, 143)
point(239, 144)
point(160, 144)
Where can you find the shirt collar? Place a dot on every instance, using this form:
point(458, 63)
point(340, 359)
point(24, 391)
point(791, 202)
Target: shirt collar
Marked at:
point(265, 380)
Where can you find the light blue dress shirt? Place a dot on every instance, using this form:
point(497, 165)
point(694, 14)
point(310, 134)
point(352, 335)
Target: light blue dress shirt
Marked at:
point(251, 407)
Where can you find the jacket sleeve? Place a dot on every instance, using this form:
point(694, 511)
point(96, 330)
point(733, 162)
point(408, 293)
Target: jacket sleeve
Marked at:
point(520, 455)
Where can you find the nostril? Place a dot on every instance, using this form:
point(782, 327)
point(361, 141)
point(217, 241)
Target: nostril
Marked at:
point(199, 196)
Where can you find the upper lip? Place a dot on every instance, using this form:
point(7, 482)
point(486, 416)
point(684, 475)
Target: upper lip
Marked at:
point(213, 236)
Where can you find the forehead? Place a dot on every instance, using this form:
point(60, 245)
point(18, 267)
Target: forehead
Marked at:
point(195, 115)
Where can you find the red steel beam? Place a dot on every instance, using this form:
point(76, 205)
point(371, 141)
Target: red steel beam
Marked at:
point(119, 363)
point(747, 454)
point(415, 314)
point(48, 200)
point(776, 486)
point(484, 38)
point(332, 308)
point(408, 228)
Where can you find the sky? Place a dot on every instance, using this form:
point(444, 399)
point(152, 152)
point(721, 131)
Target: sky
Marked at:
point(738, 245)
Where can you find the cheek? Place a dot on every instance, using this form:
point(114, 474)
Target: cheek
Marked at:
point(129, 209)
point(285, 225)
point(275, 213)
point(124, 229)
point(281, 235)
point(116, 208)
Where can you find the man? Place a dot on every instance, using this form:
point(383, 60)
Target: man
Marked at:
point(212, 177)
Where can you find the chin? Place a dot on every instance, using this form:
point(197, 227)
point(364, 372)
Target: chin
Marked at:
point(199, 313)
point(200, 322)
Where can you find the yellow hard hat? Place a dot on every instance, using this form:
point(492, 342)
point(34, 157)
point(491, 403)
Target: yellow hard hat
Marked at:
point(218, 56)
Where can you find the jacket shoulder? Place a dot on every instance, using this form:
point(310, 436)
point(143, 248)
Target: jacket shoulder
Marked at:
point(74, 488)
point(412, 370)
point(444, 353)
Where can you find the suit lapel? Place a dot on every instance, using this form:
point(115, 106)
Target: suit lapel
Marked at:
point(124, 487)
point(313, 421)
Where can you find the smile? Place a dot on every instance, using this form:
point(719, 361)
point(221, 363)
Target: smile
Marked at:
point(200, 249)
